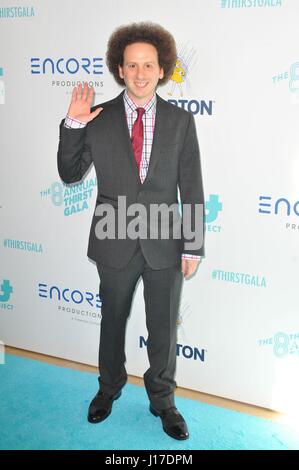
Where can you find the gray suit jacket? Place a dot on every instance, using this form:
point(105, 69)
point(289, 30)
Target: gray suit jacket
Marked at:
point(174, 162)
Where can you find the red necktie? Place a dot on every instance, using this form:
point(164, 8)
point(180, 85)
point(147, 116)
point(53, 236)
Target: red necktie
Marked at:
point(137, 136)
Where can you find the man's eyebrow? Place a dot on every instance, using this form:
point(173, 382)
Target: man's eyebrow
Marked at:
point(146, 62)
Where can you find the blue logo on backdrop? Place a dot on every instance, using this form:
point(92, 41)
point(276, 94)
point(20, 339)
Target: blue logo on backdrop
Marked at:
point(68, 72)
point(188, 352)
point(281, 207)
point(6, 290)
point(282, 344)
point(74, 296)
point(74, 199)
point(212, 207)
point(5, 293)
point(71, 65)
point(292, 77)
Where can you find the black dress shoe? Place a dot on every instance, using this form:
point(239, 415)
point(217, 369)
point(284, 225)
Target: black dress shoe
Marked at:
point(101, 406)
point(173, 422)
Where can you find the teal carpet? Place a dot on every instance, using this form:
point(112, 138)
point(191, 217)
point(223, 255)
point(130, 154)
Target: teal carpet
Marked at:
point(44, 407)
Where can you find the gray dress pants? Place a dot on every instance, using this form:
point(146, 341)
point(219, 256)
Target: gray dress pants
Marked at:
point(162, 290)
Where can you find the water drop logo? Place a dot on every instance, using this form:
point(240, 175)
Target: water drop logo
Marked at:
point(213, 207)
point(5, 291)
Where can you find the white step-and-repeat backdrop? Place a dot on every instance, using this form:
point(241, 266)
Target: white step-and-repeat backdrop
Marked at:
point(238, 73)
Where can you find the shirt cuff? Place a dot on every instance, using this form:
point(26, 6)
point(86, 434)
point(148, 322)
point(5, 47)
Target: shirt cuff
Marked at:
point(187, 256)
point(72, 123)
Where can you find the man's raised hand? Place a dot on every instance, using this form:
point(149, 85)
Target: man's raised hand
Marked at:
point(82, 98)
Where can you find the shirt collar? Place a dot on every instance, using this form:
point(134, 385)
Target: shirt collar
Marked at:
point(131, 106)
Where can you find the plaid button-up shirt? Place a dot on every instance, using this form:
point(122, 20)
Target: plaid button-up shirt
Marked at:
point(148, 120)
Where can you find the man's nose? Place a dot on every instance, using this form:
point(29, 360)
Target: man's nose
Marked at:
point(140, 72)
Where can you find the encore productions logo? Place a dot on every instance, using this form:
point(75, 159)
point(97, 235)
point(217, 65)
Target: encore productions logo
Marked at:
point(2, 87)
point(180, 85)
point(5, 294)
point(282, 344)
point(284, 208)
point(68, 72)
point(83, 306)
point(73, 199)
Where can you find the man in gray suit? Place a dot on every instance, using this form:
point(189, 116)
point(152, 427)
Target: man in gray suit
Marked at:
point(143, 149)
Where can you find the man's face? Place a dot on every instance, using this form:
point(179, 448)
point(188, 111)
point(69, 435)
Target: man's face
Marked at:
point(141, 71)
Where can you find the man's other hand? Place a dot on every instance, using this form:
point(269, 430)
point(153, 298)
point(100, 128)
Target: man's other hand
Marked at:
point(189, 267)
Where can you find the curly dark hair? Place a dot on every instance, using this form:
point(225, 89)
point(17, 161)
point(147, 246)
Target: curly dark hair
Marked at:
point(149, 33)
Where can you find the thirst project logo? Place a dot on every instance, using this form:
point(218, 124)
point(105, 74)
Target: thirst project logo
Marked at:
point(5, 294)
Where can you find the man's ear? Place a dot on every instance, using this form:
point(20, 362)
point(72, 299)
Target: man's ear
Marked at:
point(161, 73)
point(120, 71)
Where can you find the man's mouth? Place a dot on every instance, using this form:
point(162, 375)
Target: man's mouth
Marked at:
point(140, 84)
